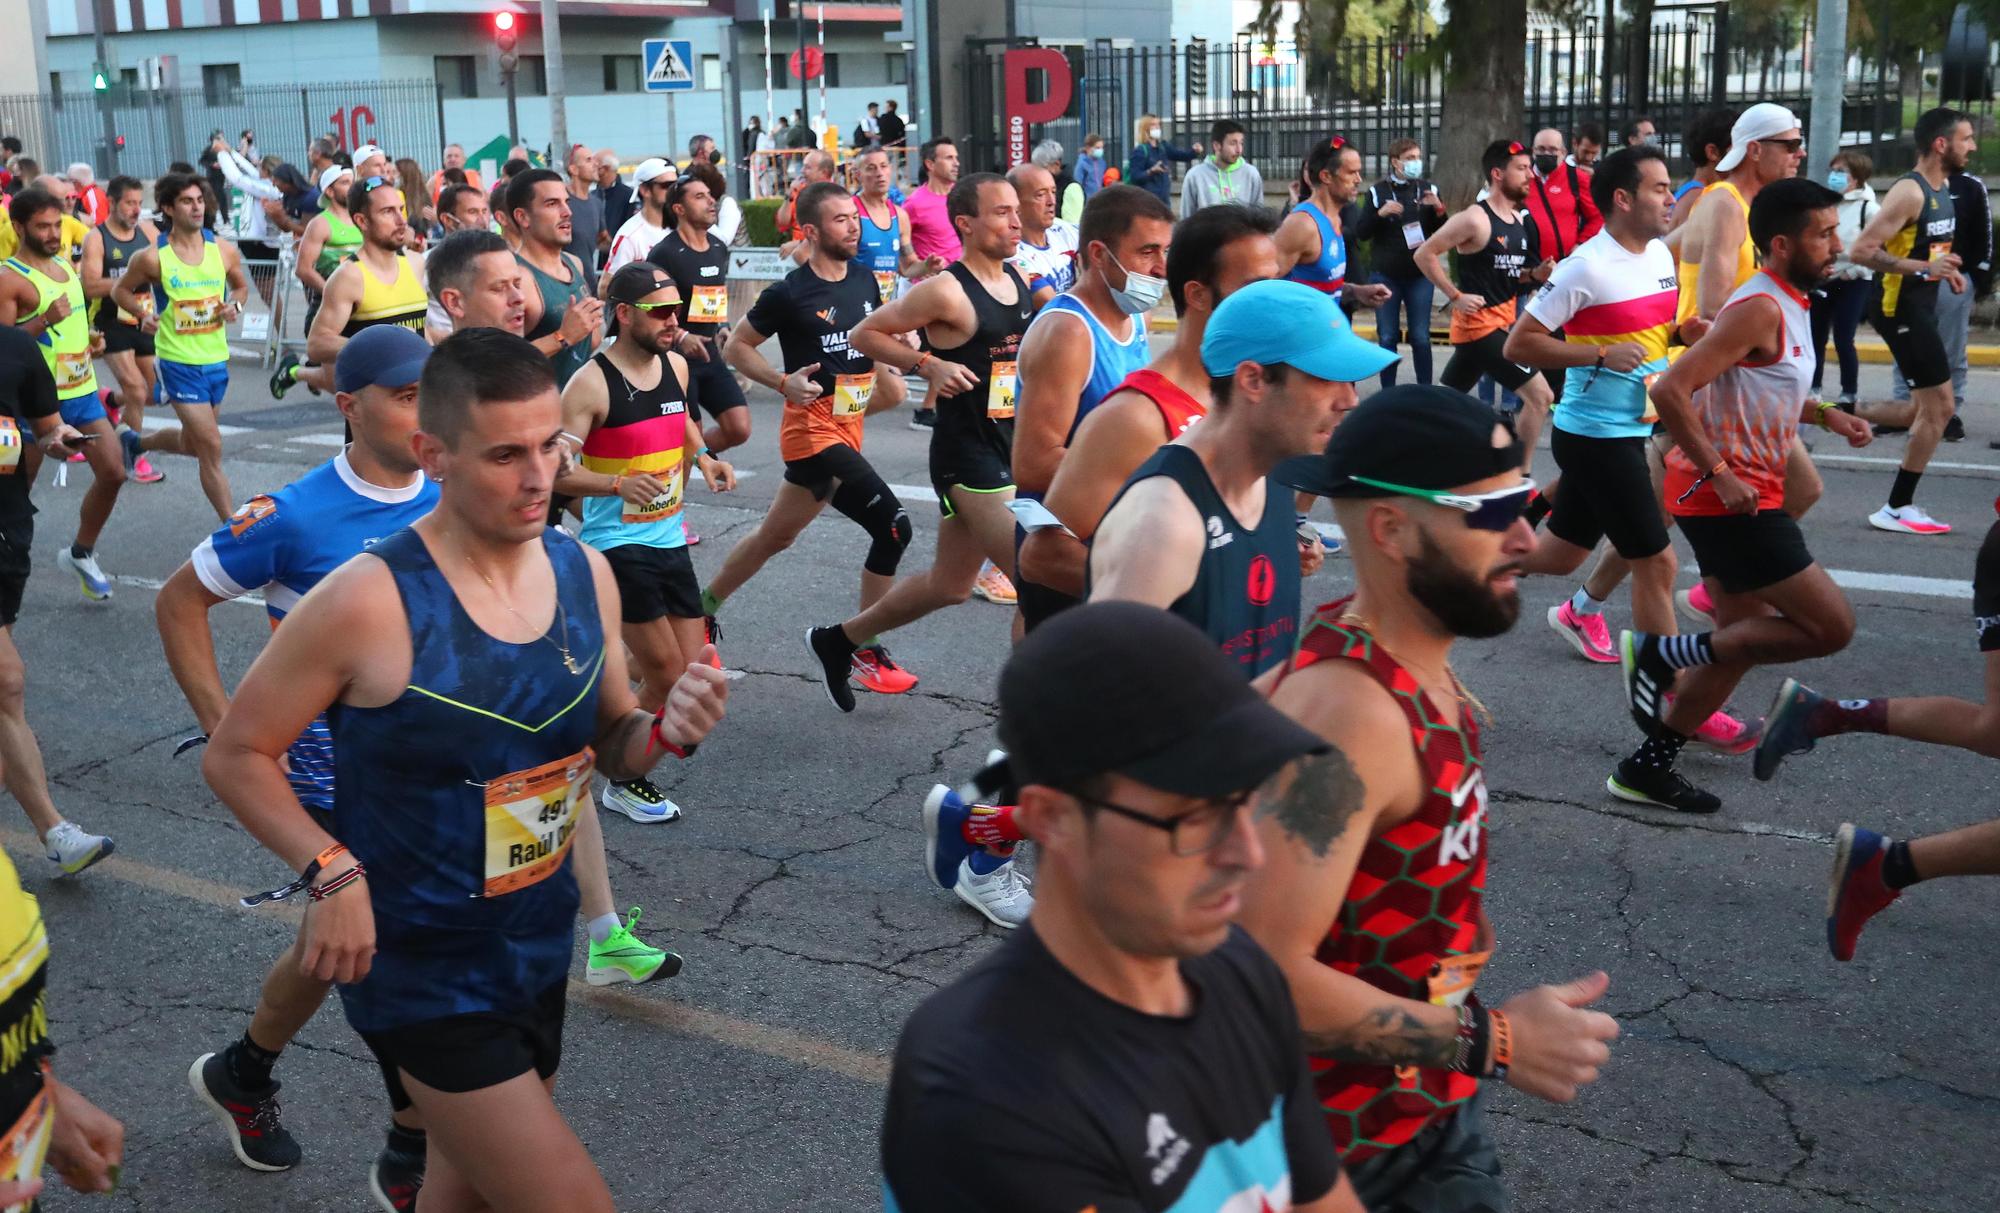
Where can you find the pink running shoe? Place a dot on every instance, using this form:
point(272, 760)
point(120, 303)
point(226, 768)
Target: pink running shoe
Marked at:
point(1587, 634)
point(1725, 734)
point(1697, 605)
point(145, 473)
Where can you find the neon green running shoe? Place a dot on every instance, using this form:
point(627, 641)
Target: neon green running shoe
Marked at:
point(623, 956)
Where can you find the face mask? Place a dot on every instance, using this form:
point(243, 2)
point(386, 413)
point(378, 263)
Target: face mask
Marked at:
point(1546, 162)
point(1140, 294)
point(1095, 153)
point(1837, 181)
point(1153, 134)
point(1413, 168)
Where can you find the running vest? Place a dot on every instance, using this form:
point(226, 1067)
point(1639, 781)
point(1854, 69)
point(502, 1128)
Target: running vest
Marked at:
point(881, 247)
point(557, 296)
point(1329, 272)
point(461, 796)
point(343, 240)
point(1494, 273)
point(1927, 238)
point(1178, 410)
point(66, 344)
point(1246, 592)
point(991, 354)
point(644, 431)
point(401, 302)
point(118, 256)
point(27, 1118)
point(1110, 359)
point(1746, 254)
point(1411, 916)
point(189, 300)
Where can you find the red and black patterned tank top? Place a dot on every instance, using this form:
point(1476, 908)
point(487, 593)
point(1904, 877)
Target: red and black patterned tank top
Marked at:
point(1178, 410)
point(1413, 904)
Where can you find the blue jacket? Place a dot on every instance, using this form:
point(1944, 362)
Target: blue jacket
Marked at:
point(1140, 172)
point(1090, 174)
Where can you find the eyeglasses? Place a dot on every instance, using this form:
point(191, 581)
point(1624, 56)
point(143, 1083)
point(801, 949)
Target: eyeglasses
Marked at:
point(1790, 145)
point(1195, 832)
point(654, 307)
point(373, 182)
point(1494, 511)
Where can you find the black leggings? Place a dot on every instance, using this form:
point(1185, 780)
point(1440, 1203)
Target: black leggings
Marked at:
point(843, 479)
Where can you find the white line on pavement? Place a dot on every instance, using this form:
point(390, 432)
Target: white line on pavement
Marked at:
point(319, 439)
point(1899, 583)
point(154, 421)
point(148, 583)
point(914, 492)
point(1936, 465)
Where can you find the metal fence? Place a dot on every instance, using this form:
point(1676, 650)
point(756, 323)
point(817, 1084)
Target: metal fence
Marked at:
point(161, 126)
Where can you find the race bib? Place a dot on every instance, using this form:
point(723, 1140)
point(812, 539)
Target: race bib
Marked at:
point(885, 284)
point(710, 304)
point(851, 394)
point(1000, 392)
point(666, 505)
point(531, 820)
point(26, 1144)
point(10, 446)
point(1413, 235)
point(192, 317)
point(72, 371)
point(1452, 978)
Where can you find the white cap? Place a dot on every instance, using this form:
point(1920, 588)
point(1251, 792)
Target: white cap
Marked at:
point(331, 174)
point(362, 153)
point(650, 169)
point(1760, 121)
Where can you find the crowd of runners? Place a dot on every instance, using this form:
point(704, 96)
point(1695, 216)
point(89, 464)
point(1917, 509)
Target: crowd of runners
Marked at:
point(1247, 968)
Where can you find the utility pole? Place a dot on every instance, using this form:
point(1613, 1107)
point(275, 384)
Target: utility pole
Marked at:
point(558, 107)
point(1829, 71)
point(805, 94)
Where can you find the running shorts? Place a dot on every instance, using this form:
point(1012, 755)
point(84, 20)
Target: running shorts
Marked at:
point(818, 472)
point(16, 562)
point(1038, 602)
point(190, 382)
point(1606, 492)
point(1450, 1166)
point(1913, 340)
point(1746, 552)
point(127, 339)
point(1985, 591)
point(80, 411)
point(1474, 359)
point(654, 582)
point(461, 1053)
point(974, 458)
point(715, 388)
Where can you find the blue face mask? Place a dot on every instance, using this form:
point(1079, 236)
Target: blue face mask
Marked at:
point(1837, 181)
point(1413, 168)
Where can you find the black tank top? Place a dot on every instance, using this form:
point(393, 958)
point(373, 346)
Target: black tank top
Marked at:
point(1494, 272)
point(1926, 239)
point(118, 256)
point(1246, 593)
point(991, 354)
point(703, 279)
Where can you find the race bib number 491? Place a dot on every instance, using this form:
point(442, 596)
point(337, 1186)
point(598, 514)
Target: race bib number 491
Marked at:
point(531, 820)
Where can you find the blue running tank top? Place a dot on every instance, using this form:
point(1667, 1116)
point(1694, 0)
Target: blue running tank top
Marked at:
point(881, 248)
point(1111, 359)
point(1329, 272)
point(462, 795)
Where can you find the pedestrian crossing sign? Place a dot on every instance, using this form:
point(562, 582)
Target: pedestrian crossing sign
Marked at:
point(669, 65)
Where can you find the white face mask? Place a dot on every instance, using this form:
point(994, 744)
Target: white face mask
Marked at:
point(1141, 292)
point(1153, 134)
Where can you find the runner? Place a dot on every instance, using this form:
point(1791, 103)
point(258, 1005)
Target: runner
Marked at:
point(1199, 529)
point(478, 283)
point(1908, 243)
point(565, 321)
point(1311, 248)
point(187, 272)
point(451, 942)
point(1706, 143)
point(653, 180)
point(1046, 255)
point(1371, 898)
point(1499, 259)
point(1725, 487)
point(933, 237)
point(699, 265)
point(107, 252)
point(29, 407)
point(1083, 344)
point(1217, 251)
point(331, 238)
point(829, 387)
point(1138, 749)
point(636, 451)
point(885, 228)
point(382, 285)
point(972, 316)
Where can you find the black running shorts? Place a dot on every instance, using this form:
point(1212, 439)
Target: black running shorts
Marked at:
point(1912, 338)
point(461, 1053)
point(1985, 591)
point(970, 456)
point(127, 339)
point(1746, 552)
point(715, 388)
point(1038, 602)
point(654, 582)
point(1475, 359)
point(818, 472)
point(1451, 1166)
point(16, 562)
point(1606, 492)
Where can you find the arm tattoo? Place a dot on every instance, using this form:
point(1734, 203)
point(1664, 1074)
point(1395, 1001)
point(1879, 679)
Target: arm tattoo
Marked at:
point(615, 745)
point(1316, 806)
point(1388, 1036)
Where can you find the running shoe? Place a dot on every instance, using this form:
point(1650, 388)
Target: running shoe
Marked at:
point(1697, 604)
point(256, 1131)
point(711, 630)
point(394, 1179)
point(945, 848)
point(129, 441)
point(1786, 727)
point(836, 661)
point(284, 376)
point(1725, 734)
point(1910, 520)
point(72, 849)
point(1856, 892)
point(1589, 635)
point(876, 671)
point(96, 586)
point(1954, 430)
point(641, 801)
point(994, 587)
point(1667, 789)
point(623, 956)
point(1002, 894)
point(1331, 538)
point(693, 540)
point(923, 419)
point(144, 472)
point(1648, 677)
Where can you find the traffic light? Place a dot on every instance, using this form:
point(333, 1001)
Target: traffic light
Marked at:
point(119, 142)
point(504, 35)
point(100, 79)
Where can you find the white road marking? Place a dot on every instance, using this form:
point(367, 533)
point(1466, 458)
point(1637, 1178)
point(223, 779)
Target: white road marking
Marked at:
point(914, 492)
point(1899, 583)
point(319, 439)
point(1936, 465)
point(148, 583)
point(154, 421)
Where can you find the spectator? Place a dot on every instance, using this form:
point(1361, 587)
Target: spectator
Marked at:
point(1641, 132)
point(894, 133)
point(211, 168)
point(1560, 201)
point(1838, 304)
point(799, 136)
point(417, 210)
point(257, 238)
point(91, 204)
point(815, 166)
point(620, 200)
point(515, 166)
point(728, 215)
point(586, 214)
point(1225, 176)
point(1589, 144)
point(246, 145)
point(1395, 216)
point(1048, 156)
point(27, 170)
point(321, 155)
point(1706, 143)
point(10, 147)
point(868, 132)
point(1151, 157)
point(701, 150)
point(454, 158)
point(1090, 167)
point(298, 201)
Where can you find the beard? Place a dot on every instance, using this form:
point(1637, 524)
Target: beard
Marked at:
point(1465, 603)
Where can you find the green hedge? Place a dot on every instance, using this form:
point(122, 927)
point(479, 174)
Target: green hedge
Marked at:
point(760, 218)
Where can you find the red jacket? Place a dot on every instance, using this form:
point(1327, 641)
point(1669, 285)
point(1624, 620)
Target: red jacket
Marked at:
point(1564, 214)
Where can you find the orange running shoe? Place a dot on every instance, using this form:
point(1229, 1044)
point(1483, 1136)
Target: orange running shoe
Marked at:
point(876, 671)
point(994, 587)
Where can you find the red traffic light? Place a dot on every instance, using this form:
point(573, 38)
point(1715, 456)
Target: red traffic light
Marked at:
point(503, 22)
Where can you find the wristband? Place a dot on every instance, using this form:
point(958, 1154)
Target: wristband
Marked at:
point(658, 740)
point(1469, 1053)
point(304, 881)
point(615, 482)
point(322, 892)
point(1822, 406)
point(1502, 1043)
point(320, 860)
point(918, 368)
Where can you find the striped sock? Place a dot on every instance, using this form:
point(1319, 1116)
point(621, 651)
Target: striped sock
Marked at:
point(1682, 652)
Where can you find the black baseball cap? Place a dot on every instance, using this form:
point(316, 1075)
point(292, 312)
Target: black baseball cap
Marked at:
point(636, 281)
point(1421, 436)
point(1126, 688)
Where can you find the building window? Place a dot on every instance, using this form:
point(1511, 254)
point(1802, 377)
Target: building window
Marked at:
point(457, 76)
point(899, 67)
point(832, 70)
point(55, 90)
point(221, 84)
point(532, 78)
point(622, 73)
point(711, 72)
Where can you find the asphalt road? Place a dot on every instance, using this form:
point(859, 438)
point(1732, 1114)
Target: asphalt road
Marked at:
point(1754, 1074)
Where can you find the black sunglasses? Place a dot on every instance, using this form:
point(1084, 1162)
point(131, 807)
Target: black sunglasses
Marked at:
point(1195, 832)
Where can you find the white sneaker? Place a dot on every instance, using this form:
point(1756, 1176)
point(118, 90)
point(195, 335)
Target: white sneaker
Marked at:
point(96, 586)
point(640, 801)
point(73, 850)
point(1910, 520)
point(1002, 894)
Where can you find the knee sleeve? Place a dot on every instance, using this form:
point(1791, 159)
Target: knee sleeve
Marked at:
point(870, 503)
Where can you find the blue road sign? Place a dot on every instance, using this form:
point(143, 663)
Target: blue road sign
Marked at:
point(669, 65)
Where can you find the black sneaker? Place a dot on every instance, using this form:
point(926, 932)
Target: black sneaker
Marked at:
point(836, 658)
point(395, 1179)
point(284, 376)
point(1954, 430)
point(923, 419)
point(1648, 677)
point(1663, 789)
point(255, 1131)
